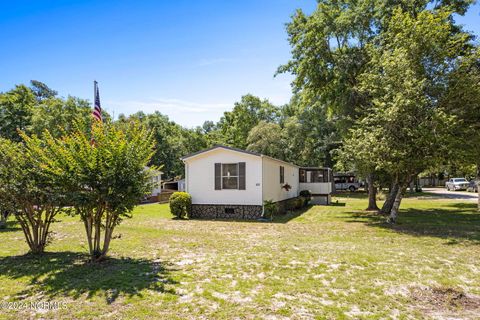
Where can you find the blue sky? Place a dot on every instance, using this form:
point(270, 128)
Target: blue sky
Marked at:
point(190, 60)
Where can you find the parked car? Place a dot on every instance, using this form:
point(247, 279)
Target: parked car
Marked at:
point(346, 182)
point(473, 186)
point(455, 184)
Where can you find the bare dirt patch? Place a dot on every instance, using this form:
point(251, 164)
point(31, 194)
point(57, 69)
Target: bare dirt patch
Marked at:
point(445, 300)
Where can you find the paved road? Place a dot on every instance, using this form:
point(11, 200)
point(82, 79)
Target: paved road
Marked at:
point(459, 195)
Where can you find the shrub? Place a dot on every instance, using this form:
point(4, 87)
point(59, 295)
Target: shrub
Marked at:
point(307, 195)
point(304, 201)
point(299, 202)
point(296, 203)
point(180, 204)
point(292, 204)
point(270, 209)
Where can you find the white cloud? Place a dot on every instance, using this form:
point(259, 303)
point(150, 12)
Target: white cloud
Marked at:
point(167, 104)
point(186, 113)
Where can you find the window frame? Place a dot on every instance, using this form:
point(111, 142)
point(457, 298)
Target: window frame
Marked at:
point(308, 175)
point(282, 174)
point(225, 176)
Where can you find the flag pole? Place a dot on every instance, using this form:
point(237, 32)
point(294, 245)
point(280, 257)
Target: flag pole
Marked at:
point(92, 139)
point(94, 92)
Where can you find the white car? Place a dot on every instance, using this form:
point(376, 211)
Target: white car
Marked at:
point(455, 184)
point(346, 182)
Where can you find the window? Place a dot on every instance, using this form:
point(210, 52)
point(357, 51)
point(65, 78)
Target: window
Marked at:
point(229, 175)
point(303, 176)
point(316, 176)
point(340, 179)
point(282, 174)
point(313, 175)
point(229, 210)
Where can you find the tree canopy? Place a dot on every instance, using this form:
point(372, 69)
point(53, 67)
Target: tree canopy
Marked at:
point(378, 71)
point(102, 174)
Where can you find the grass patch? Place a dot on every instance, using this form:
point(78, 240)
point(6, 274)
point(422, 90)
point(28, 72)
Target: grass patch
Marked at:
point(324, 262)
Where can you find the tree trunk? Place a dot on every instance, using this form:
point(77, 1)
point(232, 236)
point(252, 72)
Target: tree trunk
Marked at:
point(372, 194)
point(478, 185)
point(35, 223)
point(478, 194)
point(3, 220)
point(388, 204)
point(93, 226)
point(396, 205)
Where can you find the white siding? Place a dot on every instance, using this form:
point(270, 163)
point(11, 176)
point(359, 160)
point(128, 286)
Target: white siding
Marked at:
point(181, 185)
point(200, 178)
point(272, 188)
point(317, 187)
point(157, 182)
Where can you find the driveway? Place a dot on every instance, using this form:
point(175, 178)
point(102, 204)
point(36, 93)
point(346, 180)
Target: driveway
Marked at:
point(459, 195)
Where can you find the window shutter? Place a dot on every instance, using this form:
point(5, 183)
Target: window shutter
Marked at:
point(218, 176)
point(241, 175)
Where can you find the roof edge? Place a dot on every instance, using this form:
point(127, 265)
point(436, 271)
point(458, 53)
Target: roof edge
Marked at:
point(217, 146)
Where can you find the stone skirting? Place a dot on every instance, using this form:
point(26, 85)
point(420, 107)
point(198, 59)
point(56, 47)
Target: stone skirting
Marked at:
point(223, 211)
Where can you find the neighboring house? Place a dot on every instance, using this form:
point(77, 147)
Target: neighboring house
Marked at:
point(319, 181)
point(177, 185)
point(226, 182)
point(157, 183)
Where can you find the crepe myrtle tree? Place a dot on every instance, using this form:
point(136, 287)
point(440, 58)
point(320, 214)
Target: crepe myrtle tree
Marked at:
point(28, 191)
point(8, 152)
point(104, 175)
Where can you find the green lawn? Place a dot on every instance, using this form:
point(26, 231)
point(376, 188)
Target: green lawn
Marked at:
point(333, 262)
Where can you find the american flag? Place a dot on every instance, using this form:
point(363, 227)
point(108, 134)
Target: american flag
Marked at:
point(97, 109)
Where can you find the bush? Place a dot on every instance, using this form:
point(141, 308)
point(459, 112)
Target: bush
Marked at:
point(270, 209)
point(292, 204)
point(180, 204)
point(304, 201)
point(307, 195)
point(296, 203)
point(299, 202)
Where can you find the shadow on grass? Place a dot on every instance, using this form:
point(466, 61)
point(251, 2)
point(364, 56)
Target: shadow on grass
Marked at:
point(338, 204)
point(359, 194)
point(459, 223)
point(10, 226)
point(462, 205)
point(284, 218)
point(69, 274)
